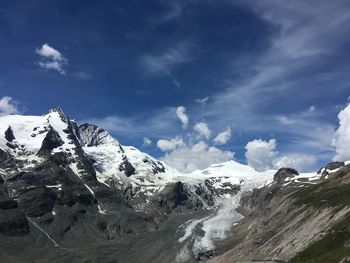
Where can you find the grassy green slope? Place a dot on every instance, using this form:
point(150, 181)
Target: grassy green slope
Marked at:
point(335, 245)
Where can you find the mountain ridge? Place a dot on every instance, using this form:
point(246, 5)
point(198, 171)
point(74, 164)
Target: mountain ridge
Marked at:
point(60, 181)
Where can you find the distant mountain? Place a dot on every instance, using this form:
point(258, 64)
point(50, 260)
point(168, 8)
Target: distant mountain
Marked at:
point(74, 193)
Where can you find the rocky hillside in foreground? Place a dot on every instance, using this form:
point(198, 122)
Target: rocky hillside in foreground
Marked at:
point(74, 193)
point(294, 220)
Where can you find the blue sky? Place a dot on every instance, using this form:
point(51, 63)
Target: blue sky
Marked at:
point(271, 70)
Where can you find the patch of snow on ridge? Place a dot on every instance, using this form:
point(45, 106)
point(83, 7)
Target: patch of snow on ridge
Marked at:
point(28, 131)
point(56, 122)
point(149, 175)
point(234, 173)
point(309, 176)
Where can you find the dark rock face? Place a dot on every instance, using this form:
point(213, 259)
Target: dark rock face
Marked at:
point(50, 142)
point(60, 199)
point(85, 199)
point(13, 223)
point(156, 166)
point(126, 167)
point(9, 134)
point(284, 173)
point(6, 202)
point(48, 185)
point(329, 167)
point(226, 188)
point(60, 203)
point(202, 256)
point(174, 195)
point(37, 202)
point(176, 198)
point(93, 135)
point(6, 160)
point(128, 193)
point(334, 165)
point(208, 197)
point(258, 200)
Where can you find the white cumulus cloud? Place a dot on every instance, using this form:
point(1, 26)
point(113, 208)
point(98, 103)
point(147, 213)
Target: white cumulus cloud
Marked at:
point(202, 129)
point(260, 154)
point(198, 156)
point(51, 58)
point(181, 114)
point(341, 140)
point(223, 137)
point(300, 162)
point(8, 106)
point(168, 145)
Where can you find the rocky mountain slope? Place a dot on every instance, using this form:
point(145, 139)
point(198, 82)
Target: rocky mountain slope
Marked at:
point(61, 184)
point(294, 220)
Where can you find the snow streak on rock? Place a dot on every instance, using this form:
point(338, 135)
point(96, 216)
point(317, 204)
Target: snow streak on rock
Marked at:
point(43, 231)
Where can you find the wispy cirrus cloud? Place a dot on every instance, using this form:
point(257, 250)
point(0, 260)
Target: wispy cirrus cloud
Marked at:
point(172, 10)
point(162, 63)
point(203, 101)
point(295, 70)
point(82, 75)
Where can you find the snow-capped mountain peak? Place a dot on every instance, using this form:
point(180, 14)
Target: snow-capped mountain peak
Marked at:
point(29, 132)
point(115, 165)
point(60, 112)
